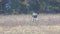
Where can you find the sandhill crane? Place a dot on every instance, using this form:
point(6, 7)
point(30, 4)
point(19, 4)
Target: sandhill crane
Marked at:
point(35, 16)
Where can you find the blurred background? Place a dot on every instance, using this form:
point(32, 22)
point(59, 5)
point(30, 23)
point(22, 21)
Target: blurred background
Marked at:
point(29, 6)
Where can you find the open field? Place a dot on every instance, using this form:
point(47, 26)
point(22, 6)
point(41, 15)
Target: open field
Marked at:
point(22, 24)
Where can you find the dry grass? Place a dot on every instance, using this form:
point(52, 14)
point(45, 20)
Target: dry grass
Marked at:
point(31, 30)
point(22, 24)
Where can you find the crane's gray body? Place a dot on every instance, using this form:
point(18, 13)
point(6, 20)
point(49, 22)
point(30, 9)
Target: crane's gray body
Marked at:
point(35, 17)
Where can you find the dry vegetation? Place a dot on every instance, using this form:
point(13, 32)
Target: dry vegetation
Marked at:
point(22, 24)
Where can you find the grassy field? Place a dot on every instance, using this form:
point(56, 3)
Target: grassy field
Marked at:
point(22, 24)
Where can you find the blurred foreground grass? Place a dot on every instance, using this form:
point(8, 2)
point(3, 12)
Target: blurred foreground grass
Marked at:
point(31, 30)
point(22, 24)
